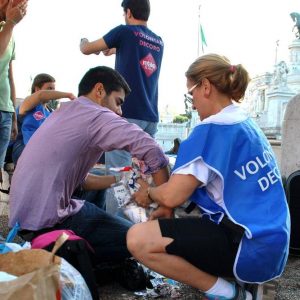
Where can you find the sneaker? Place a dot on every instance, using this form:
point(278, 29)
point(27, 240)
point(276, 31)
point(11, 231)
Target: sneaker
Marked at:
point(256, 290)
point(240, 294)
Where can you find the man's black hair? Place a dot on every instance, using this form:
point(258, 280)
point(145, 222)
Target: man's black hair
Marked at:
point(140, 9)
point(110, 78)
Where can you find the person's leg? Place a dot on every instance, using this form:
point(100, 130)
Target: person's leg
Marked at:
point(17, 150)
point(150, 128)
point(8, 163)
point(96, 197)
point(116, 159)
point(5, 131)
point(105, 233)
point(147, 245)
point(194, 251)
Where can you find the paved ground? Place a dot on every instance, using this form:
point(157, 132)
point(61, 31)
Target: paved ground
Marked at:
point(287, 287)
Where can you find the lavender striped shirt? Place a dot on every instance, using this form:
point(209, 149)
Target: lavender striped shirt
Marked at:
point(62, 151)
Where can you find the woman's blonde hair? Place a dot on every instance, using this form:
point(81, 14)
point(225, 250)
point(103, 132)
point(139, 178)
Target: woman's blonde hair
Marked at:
point(231, 80)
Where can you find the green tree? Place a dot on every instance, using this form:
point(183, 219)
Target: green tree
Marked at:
point(180, 119)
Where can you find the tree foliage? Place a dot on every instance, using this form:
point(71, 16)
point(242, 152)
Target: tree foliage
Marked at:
point(180, 119)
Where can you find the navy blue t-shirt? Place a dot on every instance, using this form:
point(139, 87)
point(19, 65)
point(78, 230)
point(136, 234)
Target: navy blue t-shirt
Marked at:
point(138, 58)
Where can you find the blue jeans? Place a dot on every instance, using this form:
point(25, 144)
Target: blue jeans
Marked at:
point(18, 148)
point(5, 131)
point(104, 232)
point(95, 196)
point(122, 158)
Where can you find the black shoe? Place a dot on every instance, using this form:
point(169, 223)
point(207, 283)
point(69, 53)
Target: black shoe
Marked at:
point(255, 290)
point(240, 293)
point(132, 276)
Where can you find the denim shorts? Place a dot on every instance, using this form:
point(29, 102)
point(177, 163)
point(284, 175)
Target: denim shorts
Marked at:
point(5, 131)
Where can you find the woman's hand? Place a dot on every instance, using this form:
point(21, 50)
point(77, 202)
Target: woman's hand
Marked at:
point(162, 212)
point(141, 196)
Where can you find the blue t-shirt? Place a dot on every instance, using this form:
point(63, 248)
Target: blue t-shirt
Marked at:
point(138, 58)
point(30, 122)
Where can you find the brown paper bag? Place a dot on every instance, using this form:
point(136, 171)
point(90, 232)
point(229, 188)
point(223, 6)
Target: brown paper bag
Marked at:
point(40, 284)
point(38, 272)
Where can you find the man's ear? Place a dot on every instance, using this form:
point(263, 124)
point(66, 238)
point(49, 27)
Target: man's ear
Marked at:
point(128, 13)
point(99, 89)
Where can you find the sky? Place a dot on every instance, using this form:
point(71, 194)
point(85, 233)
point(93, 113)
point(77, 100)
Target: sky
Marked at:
point(246, 31)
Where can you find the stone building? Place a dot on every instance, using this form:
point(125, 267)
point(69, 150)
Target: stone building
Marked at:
point(268, 94)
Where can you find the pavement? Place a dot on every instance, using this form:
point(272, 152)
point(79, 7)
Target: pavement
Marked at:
point(287, 287)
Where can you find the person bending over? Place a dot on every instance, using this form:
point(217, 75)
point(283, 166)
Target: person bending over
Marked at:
point(60, 154)
point(228, 169)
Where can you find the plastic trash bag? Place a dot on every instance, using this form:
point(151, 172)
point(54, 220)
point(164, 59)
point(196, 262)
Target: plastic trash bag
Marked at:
point(121, 193)
point(72, 283)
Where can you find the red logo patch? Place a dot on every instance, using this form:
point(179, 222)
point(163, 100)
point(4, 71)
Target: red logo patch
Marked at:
point(148, 64)
point(38, 115)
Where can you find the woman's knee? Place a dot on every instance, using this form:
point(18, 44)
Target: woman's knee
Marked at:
point(143, 239)
point(135, 239)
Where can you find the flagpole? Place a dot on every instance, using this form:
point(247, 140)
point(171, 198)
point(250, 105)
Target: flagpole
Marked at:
point(276, 51)
point(199, 24)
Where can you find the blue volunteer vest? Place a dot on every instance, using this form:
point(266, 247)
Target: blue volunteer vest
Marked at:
point(253, 193)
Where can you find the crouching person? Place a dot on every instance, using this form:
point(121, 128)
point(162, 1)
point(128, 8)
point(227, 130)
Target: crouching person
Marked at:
point(244, 228)
point(59, 156)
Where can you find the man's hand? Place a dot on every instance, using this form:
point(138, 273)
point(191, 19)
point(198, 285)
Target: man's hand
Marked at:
point(141, 196)
point(83, 43)
point(71, 96)
point(16, 13)
point(162, 212)
point(14, 130)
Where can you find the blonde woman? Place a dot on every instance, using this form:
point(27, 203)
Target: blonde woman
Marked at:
point(228, 169)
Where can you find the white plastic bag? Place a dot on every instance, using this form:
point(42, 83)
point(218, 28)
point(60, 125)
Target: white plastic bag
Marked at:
point(72, 283)
point(121, 192)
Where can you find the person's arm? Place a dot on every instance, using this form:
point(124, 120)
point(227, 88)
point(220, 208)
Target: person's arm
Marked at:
point(161, 176)
point(171, 194)
point(109, 52)
point(14, 128)
point(162, 212)
point(5, 35)
point(13, 16)
point(87, 47)
point(41, 97)
point(97, 182)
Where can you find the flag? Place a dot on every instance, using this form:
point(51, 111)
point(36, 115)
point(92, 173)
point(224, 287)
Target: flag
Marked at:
point(203, 39)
